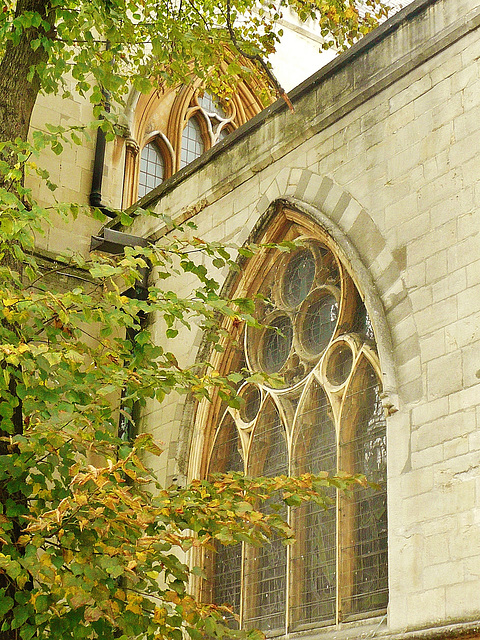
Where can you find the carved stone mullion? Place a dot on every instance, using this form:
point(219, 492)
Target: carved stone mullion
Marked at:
point(132, 151)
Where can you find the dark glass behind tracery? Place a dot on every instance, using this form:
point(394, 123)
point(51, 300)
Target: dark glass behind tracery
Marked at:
point(276, 344)
point(152, 169)
point(369, 589)
point(319, 323)
point(227, 559)
point(298, 278)
point(192, 142)
point(314, 555)
point(265, 571)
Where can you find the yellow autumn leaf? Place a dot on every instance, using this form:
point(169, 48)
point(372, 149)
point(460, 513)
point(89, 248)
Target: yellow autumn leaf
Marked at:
point(67, 555)
point(22, 580)
point(159, 615)
point(134, 608)
point(37, 487)
point(83, 523)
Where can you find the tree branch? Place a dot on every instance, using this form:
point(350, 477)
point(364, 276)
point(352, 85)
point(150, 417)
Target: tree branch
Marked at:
point(258, 59)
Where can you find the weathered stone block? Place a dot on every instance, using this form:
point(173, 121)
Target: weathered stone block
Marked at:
point(445, 375)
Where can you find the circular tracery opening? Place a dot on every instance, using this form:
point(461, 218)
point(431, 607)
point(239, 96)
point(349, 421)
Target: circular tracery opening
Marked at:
point(276, 344)
point(339, 364)
point(298, 278)
point(318, 320)
point(252, 399)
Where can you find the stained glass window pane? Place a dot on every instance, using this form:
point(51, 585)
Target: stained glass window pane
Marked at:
point(314, 554)
point(367, 451)
point(252, 398)
point(225, 577)
point(339, 364)
point(211, 105)
point(265, 570)
point(362, 323)
point(299, 276)
point(192, 143)
point(276, 344)
point(152, 169)
point(223, 134)
point(319, 323)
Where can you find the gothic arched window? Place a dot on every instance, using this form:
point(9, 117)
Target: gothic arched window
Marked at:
point(325, 415)
point(192, 142)
point(174, 126)
point(152, 169)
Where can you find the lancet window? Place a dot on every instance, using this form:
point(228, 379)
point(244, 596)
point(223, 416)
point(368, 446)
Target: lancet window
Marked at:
point(172, 126)
point(205, 122)
point(326, 415)
point(152, 169)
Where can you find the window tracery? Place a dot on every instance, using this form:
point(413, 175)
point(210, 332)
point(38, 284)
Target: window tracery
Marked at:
point(192, 142)
point(174, 127)
point(325, 416)
point(152, 169)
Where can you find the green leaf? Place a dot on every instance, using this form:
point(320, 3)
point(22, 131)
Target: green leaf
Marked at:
point(20, 615)
point(27, 631)
point(198, 571)
point(6, 603)
point(41, 603)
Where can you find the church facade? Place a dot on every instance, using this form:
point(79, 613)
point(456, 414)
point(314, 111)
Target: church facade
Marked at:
point(375, 316)
point(377, 170)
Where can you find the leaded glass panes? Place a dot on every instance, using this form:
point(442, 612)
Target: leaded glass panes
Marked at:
point(299, 276)
point(339, 364)
point(212, 105)
point(314, 555)
point(318, 323)
point(192, 142)
point(252, 398)
point(325, 414)
point(276, 344)
point(362, 323)
point(226, 561)
point(223, 133)
point(227, 452)
point(265, 570)
point(151, 169)
point(364, 451)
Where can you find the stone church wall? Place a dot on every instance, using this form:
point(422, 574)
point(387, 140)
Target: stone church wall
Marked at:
point(383, 152)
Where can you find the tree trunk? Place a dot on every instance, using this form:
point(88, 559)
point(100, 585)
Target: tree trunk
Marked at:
point(17, 93)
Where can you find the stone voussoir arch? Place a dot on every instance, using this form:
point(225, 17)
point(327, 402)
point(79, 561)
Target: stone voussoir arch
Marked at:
point(364, 249)
point(374, 265)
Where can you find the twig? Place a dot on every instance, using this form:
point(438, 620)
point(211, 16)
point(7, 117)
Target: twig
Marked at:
point(259, 60)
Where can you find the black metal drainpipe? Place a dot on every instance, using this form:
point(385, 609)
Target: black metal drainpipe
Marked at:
point(98, 164)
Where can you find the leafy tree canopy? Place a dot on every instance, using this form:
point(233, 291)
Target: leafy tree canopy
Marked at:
point(90, 540)
point(116, 44)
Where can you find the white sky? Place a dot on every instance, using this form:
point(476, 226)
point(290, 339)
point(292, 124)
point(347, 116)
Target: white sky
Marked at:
point(298, 56)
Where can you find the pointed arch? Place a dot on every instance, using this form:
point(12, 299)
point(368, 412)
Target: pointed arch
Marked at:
point(163, 115)
point(317, 334)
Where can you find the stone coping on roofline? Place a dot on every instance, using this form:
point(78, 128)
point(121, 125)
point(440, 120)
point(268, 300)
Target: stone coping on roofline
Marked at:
point(358, 74)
